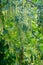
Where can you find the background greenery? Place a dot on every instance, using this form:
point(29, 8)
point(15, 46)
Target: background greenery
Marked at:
point(21, 32)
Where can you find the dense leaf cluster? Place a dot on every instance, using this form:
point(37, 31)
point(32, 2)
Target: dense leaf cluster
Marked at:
point(21, 32)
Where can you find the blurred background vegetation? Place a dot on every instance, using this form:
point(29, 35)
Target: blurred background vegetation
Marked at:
point(21, 32)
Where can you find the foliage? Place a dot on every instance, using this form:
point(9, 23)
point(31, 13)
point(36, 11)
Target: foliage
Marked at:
point(21, 32)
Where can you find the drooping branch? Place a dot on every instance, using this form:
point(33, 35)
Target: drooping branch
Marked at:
point(32, 3)
point(35, 5)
